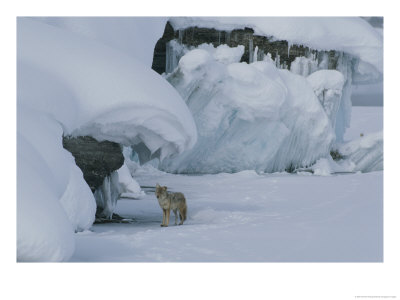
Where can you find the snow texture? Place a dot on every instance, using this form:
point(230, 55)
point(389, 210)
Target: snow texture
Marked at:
point(71, 84)
point(247, 217)
point(249, 116)
point(348, 34)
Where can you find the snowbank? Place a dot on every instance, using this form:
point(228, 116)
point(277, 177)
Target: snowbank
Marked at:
point(248, 116)
point(72, 85)
point(44, 230)
point(351, 35)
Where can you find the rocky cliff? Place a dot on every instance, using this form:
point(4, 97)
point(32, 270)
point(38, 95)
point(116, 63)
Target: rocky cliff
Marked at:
point(280, 50)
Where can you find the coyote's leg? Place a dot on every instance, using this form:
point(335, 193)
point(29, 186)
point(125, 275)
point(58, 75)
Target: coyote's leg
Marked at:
point(181, 217)
point(164, 211)
point(176, 216)
point(168, 211)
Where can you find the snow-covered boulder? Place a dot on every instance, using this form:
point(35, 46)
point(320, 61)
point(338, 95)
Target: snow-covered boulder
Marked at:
point(249, 116)
point(70, 84)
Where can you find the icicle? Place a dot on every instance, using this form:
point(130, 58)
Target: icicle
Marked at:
point(219, 37)
point(174, 52)
point(251, 58)
point(107, 194)
point(260, 55)
point(255, 55)
point(278, 61)
point(288, 48)
point(180, 32)
point(227, 37)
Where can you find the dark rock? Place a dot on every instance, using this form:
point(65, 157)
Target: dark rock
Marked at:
point(96, 159)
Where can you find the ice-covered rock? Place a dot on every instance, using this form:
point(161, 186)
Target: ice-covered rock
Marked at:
point(249, 116)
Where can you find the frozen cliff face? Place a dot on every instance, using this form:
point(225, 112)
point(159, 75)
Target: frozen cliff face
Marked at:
point(249, 116)
point(74, 85)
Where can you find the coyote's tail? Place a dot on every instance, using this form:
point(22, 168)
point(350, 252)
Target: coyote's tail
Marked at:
point(184, 212)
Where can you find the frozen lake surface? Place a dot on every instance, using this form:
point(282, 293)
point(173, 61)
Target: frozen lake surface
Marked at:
point(246, 217)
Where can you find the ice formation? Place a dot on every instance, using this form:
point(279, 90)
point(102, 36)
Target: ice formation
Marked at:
point(249, 116)
point(107, 195)
point(358, 46)
point(366, 152)
point(74, 85)
point(328, 86)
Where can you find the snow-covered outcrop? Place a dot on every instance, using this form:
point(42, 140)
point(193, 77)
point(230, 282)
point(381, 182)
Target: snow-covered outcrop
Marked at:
point(69, 84)
point(249, 116)
point(350, 35)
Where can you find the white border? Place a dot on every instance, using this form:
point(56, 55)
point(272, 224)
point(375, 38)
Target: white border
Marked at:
point(198, 281)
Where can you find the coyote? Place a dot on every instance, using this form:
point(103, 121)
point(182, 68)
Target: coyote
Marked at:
point(168, 201)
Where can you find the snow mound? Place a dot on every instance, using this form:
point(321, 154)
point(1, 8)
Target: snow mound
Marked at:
point(327, 166)
point(44, 230)
point(348, 34)
point(128, 186)
point(223, 53)
point(69, 84)
point(365, 152)
point(249, 117)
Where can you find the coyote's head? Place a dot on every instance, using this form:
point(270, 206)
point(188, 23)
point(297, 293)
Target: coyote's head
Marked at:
point(160, 190)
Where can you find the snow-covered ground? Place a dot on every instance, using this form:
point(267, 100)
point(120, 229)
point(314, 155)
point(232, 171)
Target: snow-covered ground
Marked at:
point(241, 217)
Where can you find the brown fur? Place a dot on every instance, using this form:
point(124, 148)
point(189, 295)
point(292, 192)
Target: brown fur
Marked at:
point(168, 201)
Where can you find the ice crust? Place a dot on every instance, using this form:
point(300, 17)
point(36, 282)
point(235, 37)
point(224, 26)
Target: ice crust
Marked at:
point(249, 116)
point(77, 83)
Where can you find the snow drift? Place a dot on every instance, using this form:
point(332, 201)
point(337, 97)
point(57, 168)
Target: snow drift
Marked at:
point(249, 116)
point(72, 85)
